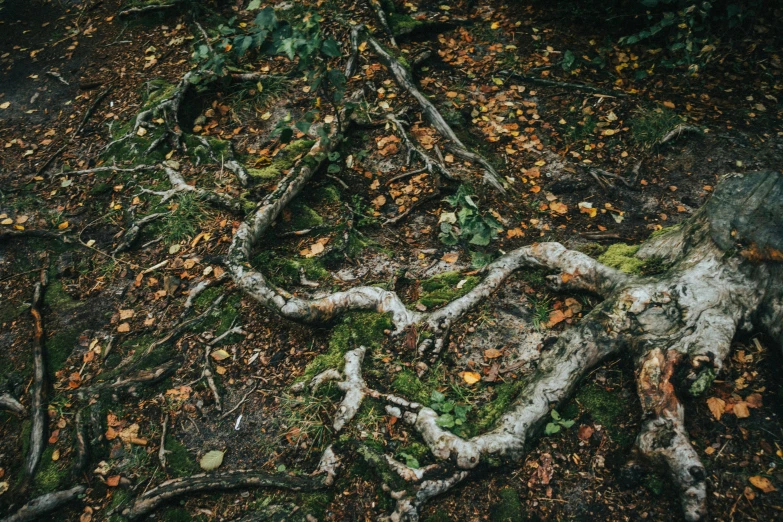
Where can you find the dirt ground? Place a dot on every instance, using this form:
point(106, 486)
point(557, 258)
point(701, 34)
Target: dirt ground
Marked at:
point(584, 168)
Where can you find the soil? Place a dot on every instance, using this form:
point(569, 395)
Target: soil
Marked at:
point(102, 311)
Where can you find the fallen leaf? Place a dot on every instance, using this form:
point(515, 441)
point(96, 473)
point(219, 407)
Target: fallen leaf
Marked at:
point(754, 400)
point(741, 410)
point(21, 220)
point(113, 481)
point(221, 370)
point(716, 406)
point(585, 432)
point(124, 327)
point(450, 257)
point(63, 225)
point(492, 353)
point(56, 455)
point(5, 105)
point(219, 355)
point(316, 248)
point(379, 201)
point(211, 460)
point(555, 316)
point(762, 483)
point(126, 314)
point(471, 377)
point(558, 207)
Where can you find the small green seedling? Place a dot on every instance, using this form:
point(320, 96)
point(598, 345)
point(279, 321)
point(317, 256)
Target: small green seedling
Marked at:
point(557, 422)
point(451, 414)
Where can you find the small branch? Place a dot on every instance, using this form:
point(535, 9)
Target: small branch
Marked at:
point(37, 438)
point(135, 229)
point(149, 8)
point(38, 507)
point(565, 85)
point(381, 15)
point(81, 444)
point(92, 108)
point(199, 288)
point(162, 451)
point(677, 131)
point(242, 401)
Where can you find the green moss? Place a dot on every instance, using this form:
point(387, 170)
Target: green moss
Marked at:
point(664, 231)
point(50, 475)
point(180, 462)
point(404, 24)
point(303, 217)
point(648, 127)
point(330, 194)
point(57, 298)
point(407, 384)
point(702, 382)
point(508, 507)
point(442, 288)
point(284, 160)
point(591, 249)
point(489, 413)
point(654, 484)
point(100, 189)
point(175, 514)
point(607, 408)
point(60, 346)
point(621, 257)
point(357, 329)
point(285, 272)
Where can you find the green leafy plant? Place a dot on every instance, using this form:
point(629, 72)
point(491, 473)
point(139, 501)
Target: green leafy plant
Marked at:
point(557, 423)
point(410, 460)
point(451, 414)
point(468, 222)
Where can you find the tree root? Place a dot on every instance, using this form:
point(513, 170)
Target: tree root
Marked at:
point(178, 184)
point(230, 162)
point(565, 85)
point(149, 8)
point(38, 414)
point(37, 508)
point(172, 489)
point(10, 404)
point(134, 230)
point(381, 16)
point(404, 79)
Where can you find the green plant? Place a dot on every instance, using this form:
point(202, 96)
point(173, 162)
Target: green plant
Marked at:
point(649, 127)
point(451, 414)
point(557, 423)
point(468, 222)
point(541, 306)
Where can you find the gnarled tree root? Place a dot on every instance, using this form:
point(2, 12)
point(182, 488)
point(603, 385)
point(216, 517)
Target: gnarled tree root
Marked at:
point(37, 412)
point(172, 489)
point(40, 506)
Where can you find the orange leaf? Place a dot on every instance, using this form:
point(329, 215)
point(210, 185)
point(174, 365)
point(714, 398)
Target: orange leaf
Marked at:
point(741, 410)
point(763, 484)
point(471, 377)
point(492, 353)
point(716, 406)
point(113, 481)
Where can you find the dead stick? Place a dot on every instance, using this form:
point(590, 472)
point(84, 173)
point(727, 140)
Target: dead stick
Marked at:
point(36, 406)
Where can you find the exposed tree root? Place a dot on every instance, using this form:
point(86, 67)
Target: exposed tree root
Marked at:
point(10, 404)
point(565, 85)
point(134, 230)
point(38, 414)
point(404, 79)
point(178, 185)
point(172, 489)
point(228, 162)
point(149, 8)
point(381, 16)
point(37, 508)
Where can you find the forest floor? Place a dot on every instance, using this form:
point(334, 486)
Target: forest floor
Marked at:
point(552, 143)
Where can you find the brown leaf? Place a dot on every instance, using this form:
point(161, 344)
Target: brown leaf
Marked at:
point(113, 481)
point(126, 314)
point(124, 327)
point(716, 406)
point(754, 400)
point(762, 483)
point(450, 257)
point(492, 353)
point(558, 207)
point(555, 316)
point(741, 410)
point(585, 432)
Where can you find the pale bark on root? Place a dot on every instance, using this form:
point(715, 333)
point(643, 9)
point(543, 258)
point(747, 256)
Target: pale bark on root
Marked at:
point(228, 162)
point(403, 78)
point(148, 8)
point(8, 403)
point(381, 15)
point(176, 488)
point(37, 508)
point(134, 230)
point(179, 185)
point(38, 414)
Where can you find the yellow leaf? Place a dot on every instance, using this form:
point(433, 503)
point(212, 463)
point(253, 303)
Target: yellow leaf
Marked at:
point(220, 370)
point(492, 353)
point(450, 257)
point(141, 131)
point(762, 483)
point(471, 377)
point(219, 355)
point(716, 406)
point(7, 221)
point(452, 94)
point(741, 410)
point(5, 105)
point(558, 207)
point(494, 25)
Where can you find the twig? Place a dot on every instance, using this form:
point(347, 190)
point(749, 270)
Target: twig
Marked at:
point(92, 108)
point(232, 410)
point(162, 451)
point(147, 8)
point(37, 403)
point(567, 85)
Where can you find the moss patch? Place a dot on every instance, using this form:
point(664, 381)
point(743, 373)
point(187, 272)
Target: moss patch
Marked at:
point(621, 257)
point(59, 347)
point(303, 217)
point(285, 272)
point(508, 507)
point(443, 288)
point(607, 408)
point(284, 160)
point(357, 329)
point(180, 462)
point(50, 475)
point(488, 414)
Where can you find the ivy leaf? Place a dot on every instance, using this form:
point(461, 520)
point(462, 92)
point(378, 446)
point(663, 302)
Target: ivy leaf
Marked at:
point(303, 126)
point(437, 396)
point(568, 60)
point(330, 48)
point(253, 5)
point(567, 424)
point(266, 19)
point(445, 421)
point(288, 47)
point(333, 168)
point(555, 415)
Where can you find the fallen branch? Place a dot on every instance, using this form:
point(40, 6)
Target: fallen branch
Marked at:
point(152, 499)
point(565, 85)
point(38, 414)
point(178, 184)
point(148, 8)
point(134, 230)
point(38, 507)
